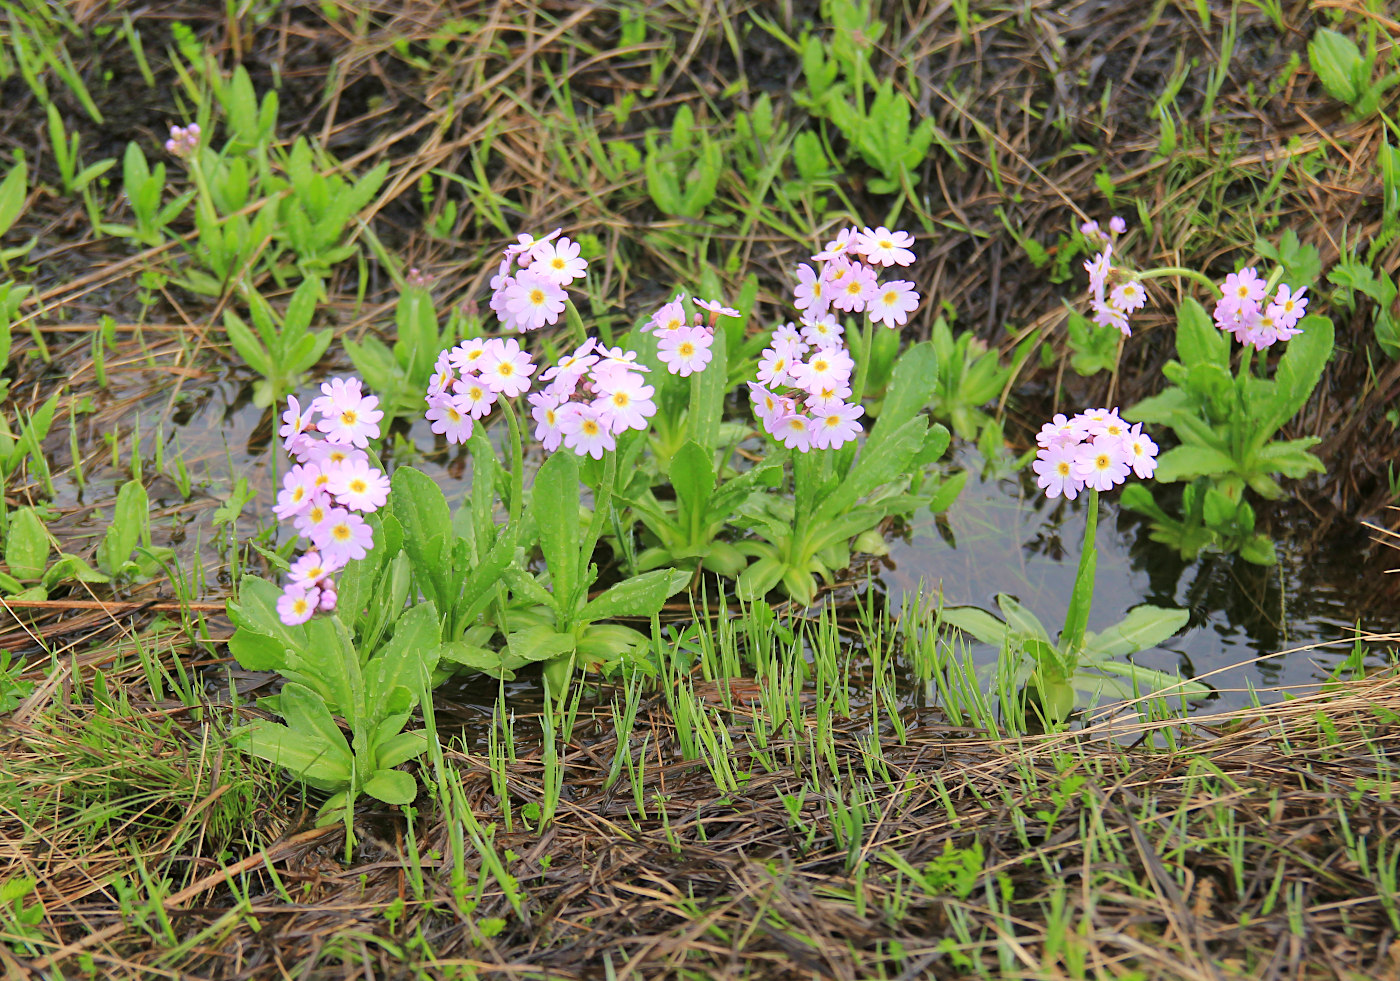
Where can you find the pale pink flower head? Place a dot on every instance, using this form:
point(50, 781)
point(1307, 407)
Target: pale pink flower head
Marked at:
point(856, 289)
point(1243, 285)
point(346, 536)
point(716, 310)
point(294, 421)
point(449, 418)
point(891, 303)
point(534, 301)
point(1102, 422)
point(834, 424)
point(685, 351)
point(1128, 296)
point(1098, 269)
point(360, 487)
point(822, 331)
point(443, 374)
point(810, 294)
point(473, 396)
point(1101, 463)
point(586, 434)
point(558, 261)
point(1288, 307)
point(1107, 315)
point(626, 406)
point(882, 247)
point(774, 364)
point(296, 605)
point(1054, 468)
point(826, 367)
point(793, 430)
point(1117, 225)
point(347, 414)
point(545, 410)
point(839, 246)
point(299, 486)
point(466, 356)
point(670, 317)
point(525, 243)
point(1141, 452)
point(505, 368)
point(310, 568)
point(1060, 431)
point(764, 402)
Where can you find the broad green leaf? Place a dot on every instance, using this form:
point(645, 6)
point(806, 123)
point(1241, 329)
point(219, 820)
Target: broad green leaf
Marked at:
point(409, 658)
point(14, 190)
point(27, 545)
point(693, 477)
point(391, 786)
point(979, 623)
point(872, 470)
point(708, 389)
point(400, 748)
point(421, 509)
point(1188, 462)
point(322, 765)
point(758, 579)
point(908, 392)
point(640, 596)
point(257, 652)
point(1334, 58)
point(124, 533)
point(539, 643)
point(1144, 627)
point(555, 502)
point(1298, 373)
point(1021, 620)
point(256, 611)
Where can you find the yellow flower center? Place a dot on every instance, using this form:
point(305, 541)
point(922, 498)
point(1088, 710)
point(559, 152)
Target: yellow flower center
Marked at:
point(686, 350)
point(1063, 468)
point(505, 369)
point(621, 400)
point(348, 417)
point(341, 532)
point(358, 486)
point(537, 297)
point(590, 427)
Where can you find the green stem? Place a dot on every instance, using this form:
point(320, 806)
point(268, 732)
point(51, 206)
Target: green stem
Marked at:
point(867, 345)
point(517, 463)
point(1077, 619)
point(1161, 271)
point(575, 321)
point(602, 501)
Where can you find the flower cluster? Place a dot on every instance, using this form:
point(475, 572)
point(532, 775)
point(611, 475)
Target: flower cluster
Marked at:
point(527, 291)
point(184, 140)
point(683, 346)
point(469, 378)
point(815, 367)
point(1117, 292)
point(1095, 449)
point(594, 395)
point(1242, 311)
point(847, 277)
point(329, 490)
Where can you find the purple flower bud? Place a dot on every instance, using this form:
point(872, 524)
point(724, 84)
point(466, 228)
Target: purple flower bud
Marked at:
point(328, 600)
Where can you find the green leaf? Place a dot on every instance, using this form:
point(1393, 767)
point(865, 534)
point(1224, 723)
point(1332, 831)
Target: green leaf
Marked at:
point(257, 652)
point(1188, 462)
point(129, 519)
point(1144, 627)
point(27, 547)
point(1298, 373)
point(874, 467)
point(400, 748)
point(708, 389)
point(409, 658)
point(14, 190)
point(693, 477)
point(1334, 58)
point(391, 786)
point(979, 623)
point(758, 579)
point(1021, 620)
point(539, 643)
point(555, 502)
point(640, 596)
point(421, 509)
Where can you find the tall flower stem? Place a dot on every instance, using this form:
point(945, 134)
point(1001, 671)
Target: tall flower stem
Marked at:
point(1194, 274)
point(602, 501)
point(867, 347)
point(517, 463)
point(1082, 598)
